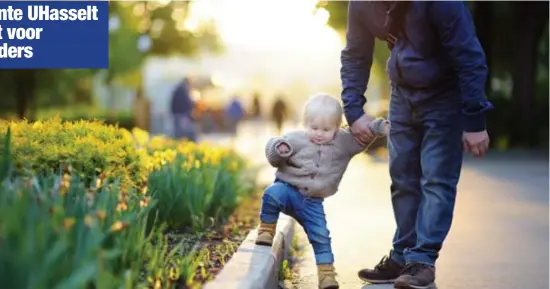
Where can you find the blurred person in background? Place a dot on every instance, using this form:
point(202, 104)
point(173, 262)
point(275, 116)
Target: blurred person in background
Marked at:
point(142, 110)
point(234, 113)
point(279, 113)
point(182, 111)
point(256, 110)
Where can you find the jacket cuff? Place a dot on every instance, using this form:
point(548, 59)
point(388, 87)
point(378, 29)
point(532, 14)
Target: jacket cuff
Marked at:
point(279, 142)
point(354, 115)
point(474, 122)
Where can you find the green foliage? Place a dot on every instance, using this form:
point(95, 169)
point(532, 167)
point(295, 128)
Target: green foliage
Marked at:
point(74, 239)
point(61, 230)
point(213, 187)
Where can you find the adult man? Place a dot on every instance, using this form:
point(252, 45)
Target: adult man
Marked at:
point(438, 72)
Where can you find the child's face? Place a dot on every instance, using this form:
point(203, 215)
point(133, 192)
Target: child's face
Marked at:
point(321, 130)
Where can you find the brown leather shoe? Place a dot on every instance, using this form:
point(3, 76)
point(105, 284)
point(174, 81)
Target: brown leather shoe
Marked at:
point(266, 232)
point(416, 276)
point(327, 276)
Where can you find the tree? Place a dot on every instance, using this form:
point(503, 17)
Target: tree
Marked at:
point(530, 21)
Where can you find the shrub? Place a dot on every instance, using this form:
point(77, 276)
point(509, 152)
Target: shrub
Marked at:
point(89, 147)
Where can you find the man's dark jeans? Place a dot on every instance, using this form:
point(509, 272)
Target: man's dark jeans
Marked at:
point(425, 147)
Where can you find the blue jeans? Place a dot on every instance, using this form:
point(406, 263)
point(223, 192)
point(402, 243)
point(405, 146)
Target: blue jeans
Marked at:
point(425, 148)
point(308, 212)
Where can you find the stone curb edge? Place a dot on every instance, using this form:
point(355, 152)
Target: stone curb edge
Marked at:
point(256, 267)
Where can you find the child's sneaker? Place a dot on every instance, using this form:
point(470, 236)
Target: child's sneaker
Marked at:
point(327, 276)
point(266, 232)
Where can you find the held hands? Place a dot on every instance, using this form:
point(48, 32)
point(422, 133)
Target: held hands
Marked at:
point(361, 131)
point(476, 143)
point(283, 149)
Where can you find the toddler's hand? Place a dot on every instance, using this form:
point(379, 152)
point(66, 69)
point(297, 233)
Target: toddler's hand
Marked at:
point(283, 148)
point(380, 127)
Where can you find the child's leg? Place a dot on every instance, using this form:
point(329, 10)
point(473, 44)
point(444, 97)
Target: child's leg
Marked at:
point(312, 218)
point(274, 201)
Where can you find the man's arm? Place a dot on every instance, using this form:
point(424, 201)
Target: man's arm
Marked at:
point(456, 31)
point(356, 59)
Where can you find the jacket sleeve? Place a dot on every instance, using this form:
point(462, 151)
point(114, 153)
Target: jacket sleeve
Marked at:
point(456, 31)
point(348, 143)
point(356, 60)
point(273, 156)
point(379, 127)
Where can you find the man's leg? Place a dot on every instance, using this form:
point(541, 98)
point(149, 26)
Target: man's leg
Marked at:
point(404, 150)
point(441, 161)
point(405, 139)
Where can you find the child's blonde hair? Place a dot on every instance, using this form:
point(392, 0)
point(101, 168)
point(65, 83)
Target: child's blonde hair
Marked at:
point(325, 106)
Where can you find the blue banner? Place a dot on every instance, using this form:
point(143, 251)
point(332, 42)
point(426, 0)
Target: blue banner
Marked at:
point(54, 34)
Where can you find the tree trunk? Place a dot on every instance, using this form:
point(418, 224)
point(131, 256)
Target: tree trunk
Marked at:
point(483, 18)
point(25, 83)
point(531, 18)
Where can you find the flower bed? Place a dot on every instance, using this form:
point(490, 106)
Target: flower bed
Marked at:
point(86, 205)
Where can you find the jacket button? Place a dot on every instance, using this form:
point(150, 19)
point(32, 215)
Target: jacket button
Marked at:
point(312, 177)
point(306, 188)
point(317, 165)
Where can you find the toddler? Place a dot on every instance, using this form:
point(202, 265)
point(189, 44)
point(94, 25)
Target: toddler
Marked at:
point(310, 165)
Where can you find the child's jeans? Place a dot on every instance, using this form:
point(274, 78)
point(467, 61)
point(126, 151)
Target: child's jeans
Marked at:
point(308, 211)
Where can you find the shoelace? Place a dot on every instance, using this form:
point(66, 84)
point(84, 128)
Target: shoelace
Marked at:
point(383, 264)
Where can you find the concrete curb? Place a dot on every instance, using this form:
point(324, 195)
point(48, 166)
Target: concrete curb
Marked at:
point(256, 267)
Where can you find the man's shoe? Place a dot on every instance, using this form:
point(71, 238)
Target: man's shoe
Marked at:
point(416, 276)
point(266, 232)
point(327, 276)
point(386, 271)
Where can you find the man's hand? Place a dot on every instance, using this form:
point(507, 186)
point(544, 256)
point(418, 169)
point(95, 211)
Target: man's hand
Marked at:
point(283, 148)
point(476, 143)
point(360, 130)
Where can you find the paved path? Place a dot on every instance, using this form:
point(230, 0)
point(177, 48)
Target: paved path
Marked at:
point(499, 237)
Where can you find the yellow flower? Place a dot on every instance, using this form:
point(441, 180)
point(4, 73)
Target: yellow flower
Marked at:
point(88, 220)
point(145, 202)
point(197, 164)
point(68, 223)
point(118, 225)
point(122, 206)
point(233, 166)
point(174, 274)
point(101, 215)
point(158, 284)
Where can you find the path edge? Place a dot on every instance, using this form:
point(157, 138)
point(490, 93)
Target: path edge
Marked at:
point(256, 267)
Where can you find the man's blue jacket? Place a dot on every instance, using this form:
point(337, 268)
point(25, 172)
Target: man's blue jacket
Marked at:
point(439, 53)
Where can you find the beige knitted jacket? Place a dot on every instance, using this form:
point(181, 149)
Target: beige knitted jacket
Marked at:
point(315, 170)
